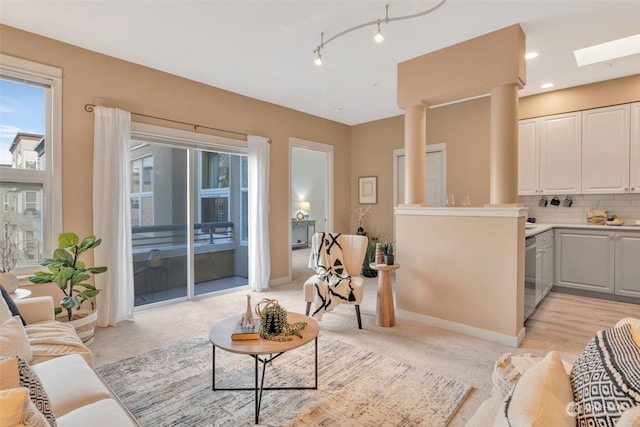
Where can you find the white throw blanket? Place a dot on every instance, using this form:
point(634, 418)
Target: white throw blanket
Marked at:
point(332, 282)
point(54, 339)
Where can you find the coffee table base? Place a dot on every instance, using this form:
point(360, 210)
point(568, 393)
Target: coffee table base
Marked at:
point(259, 381)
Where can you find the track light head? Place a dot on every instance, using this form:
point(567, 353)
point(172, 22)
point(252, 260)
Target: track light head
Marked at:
point(378, 38)
point(318, 58)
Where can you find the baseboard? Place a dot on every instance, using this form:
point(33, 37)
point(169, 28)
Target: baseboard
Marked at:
point(511, 341)
point(280, 281)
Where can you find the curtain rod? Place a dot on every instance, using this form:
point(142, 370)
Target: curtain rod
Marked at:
point(89, 108)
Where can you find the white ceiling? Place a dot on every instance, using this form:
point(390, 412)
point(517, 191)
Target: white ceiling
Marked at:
point(264, 49)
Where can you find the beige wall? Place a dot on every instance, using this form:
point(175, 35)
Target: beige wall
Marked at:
point(464, 127)
point(88, 76)
point(602, 94)
point(456, 283)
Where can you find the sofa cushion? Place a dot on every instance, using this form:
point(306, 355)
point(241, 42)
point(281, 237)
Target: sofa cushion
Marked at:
point(14, 341)
point(70, 383)
point(630, 418)
point(30, 380)
point(11, 304)
point(103, 413)
point(486, 413)
point(606, 377)
point(18, 409)
point(540, 397)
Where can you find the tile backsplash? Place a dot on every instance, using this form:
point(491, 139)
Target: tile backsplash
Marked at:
point(625, 206)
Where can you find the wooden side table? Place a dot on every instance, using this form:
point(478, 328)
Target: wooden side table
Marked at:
point(385, 314)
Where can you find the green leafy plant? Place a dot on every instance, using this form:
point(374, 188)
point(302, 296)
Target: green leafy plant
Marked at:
point(387, 248)
point(369, 257)
point(69, 273)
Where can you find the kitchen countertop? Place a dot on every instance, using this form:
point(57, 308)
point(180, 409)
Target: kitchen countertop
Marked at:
point(540, 227)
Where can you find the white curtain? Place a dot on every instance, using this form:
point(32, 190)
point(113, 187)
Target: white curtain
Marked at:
point(112, 214)
point(258, 175)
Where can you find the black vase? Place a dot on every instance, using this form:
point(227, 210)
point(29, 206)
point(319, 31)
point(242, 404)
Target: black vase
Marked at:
point(389, 259)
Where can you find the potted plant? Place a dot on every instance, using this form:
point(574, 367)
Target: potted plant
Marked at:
point(8, 260)
point(389, 258)
point(369, 257)
point(70, 274)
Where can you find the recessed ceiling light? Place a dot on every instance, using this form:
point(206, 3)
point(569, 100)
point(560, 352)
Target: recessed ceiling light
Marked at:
point(546, 85)
point(530, 55)
point(337, 110)
point(607, 51)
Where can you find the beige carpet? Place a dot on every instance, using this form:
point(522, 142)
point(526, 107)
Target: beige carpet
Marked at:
point(453, 355)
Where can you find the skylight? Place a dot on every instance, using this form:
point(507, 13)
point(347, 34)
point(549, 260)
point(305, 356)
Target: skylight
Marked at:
point(607, 51)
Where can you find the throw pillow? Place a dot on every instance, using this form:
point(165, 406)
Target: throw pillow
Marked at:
point(37, 393)
point(606, 377)
point(5, 313)
point(12, 403)
point(11, 304)
point(9, 374)
point(18, 410)
point(14, 341)
point(540, 397)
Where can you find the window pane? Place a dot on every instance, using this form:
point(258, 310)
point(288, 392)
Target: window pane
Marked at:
point(135, 176)
point(21, 217)
point(147, 174)
point(215, 170)
point(22, 121)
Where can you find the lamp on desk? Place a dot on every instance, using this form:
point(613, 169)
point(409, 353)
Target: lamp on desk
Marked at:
point(302, 207)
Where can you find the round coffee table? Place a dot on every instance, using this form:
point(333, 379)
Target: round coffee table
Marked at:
point(263, 351)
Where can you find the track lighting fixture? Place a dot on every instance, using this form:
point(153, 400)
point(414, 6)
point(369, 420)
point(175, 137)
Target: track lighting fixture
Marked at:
point(378, 37)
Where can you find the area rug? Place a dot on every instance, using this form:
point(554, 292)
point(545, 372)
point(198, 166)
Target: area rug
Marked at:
point(171, 386)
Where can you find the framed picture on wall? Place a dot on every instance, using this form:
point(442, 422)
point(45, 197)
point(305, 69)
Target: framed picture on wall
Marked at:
point(368, 190)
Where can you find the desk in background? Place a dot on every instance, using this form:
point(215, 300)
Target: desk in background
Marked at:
point(300, 233)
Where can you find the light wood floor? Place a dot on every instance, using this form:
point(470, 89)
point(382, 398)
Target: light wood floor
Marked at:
point(562, 322)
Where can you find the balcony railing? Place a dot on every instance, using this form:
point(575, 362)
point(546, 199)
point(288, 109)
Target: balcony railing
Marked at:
point(205, 233)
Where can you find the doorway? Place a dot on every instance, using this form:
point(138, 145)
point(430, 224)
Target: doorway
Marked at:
point(311, 192)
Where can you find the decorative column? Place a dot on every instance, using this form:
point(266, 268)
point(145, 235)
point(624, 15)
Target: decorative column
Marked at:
point(415, 139)
point(504, 145)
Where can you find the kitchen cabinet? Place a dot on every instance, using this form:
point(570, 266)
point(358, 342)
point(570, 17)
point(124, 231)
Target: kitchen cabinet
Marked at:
point(549, 152)
point(627, 264)
point(528, 159)
point(560, 154)
point(600, 261)
point(634, 149)
point(605, 150)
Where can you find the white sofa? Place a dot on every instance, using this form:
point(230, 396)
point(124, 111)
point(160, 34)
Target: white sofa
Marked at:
point(76, 394)
point(547, 391)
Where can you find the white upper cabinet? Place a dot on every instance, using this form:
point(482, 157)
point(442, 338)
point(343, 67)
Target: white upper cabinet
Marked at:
point(560, 154)
point(634, 149)
point(528, 158)
point(605, 150)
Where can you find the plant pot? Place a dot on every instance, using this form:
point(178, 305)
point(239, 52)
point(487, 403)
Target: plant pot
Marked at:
point(84, 324)
point(367, 272)
point(9, 281)
point(389, 259)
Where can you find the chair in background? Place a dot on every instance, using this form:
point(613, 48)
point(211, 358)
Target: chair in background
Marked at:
point(353, 252)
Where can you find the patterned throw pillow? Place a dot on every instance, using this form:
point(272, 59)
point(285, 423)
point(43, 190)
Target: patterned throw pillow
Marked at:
point(606, 378)
point(30, 380)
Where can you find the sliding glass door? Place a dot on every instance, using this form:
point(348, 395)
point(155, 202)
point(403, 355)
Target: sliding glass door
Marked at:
point(189, 214)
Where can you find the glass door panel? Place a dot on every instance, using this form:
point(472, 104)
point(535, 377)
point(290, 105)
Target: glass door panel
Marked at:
point(220, 255)
point(159, 189)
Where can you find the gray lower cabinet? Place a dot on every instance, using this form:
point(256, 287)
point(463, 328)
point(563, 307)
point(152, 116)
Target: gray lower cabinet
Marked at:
point(600, 261)
point(627, 267)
